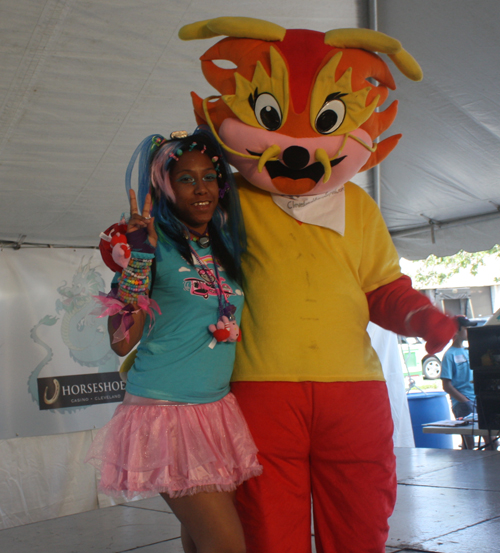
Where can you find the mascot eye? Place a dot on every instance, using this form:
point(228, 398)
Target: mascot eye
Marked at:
point(330, 116)
point(268, 112)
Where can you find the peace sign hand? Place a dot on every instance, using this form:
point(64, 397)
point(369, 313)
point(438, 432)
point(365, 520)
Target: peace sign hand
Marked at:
point(144, 221)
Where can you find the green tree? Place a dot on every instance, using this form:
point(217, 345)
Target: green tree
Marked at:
point(435, 271)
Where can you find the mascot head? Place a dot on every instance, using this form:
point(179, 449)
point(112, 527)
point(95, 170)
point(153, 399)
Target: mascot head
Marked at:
point(297, 112)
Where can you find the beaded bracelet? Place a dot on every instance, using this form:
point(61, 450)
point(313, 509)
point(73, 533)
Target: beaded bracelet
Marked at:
point(130, 296)
point(135, 278)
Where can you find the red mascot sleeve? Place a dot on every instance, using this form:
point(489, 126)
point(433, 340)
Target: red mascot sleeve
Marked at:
point(400, 308)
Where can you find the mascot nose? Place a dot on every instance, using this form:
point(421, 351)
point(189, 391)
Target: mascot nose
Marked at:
point(296, 157)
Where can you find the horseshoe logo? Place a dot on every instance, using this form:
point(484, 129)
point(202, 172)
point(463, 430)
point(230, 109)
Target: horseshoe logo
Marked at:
point(55, 396)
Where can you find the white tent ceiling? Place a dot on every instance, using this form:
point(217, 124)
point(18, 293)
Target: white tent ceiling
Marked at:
point(83, 81)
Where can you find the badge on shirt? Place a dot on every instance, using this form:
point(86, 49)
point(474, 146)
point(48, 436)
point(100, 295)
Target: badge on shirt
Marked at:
point(460, 358)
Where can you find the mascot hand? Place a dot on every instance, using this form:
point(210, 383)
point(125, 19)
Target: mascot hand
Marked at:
point(114, 247)
point(436, 328)
point(120, 250)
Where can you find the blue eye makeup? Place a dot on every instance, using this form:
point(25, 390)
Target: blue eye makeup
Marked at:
point(188, 179)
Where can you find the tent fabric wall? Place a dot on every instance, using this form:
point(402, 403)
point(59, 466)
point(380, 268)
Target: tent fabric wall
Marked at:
point(47, 330)
point(385, 344)
point(440, 188)
point(42, 474)
point(44, 477)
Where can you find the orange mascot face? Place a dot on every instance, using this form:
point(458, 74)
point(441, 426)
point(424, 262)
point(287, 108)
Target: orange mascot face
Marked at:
point(296, 114)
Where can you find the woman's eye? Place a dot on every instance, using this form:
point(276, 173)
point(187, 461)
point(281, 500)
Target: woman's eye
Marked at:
point(186, 179)
point(210, 177)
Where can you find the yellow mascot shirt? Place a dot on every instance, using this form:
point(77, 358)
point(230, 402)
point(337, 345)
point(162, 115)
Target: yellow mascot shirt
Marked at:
point(306, 312)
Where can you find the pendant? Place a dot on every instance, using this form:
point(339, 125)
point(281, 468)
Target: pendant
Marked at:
point(204, 242)
point(226, 330)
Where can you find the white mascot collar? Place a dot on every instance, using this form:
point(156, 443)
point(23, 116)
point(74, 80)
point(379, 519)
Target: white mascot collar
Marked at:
point(324, 210)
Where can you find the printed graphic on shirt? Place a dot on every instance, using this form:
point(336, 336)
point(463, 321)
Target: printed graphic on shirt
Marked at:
point(205, 284)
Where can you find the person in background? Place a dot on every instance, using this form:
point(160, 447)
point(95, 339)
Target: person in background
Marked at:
point(457, 377)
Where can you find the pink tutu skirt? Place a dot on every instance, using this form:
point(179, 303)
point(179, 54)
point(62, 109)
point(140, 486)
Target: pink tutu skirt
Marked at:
point(152, 447)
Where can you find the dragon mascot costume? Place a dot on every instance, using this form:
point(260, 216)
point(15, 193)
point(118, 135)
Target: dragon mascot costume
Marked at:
point(297, 116)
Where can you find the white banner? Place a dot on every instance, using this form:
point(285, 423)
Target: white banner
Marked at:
point(58, 371)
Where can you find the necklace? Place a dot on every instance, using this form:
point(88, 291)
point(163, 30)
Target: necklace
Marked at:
point(226, 329)
point(202, 238)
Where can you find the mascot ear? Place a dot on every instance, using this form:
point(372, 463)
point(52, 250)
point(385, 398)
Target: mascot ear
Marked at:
point(384, 148)
point(198, 109)
point(380, 121)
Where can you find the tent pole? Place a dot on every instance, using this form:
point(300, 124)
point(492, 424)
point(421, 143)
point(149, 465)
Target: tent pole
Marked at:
point(433, 225)
point(373, 24)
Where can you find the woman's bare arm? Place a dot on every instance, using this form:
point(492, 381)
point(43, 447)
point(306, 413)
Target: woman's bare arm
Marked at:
point(124, 347)
point(136, 222)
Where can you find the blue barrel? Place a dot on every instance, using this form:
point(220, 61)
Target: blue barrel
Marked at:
point(429, 407)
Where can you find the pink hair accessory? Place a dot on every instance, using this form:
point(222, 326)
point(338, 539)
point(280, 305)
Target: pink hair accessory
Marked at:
point(110, 305)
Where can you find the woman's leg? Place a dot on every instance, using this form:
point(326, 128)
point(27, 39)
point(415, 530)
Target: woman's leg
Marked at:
point(187, 542)
point(210, 521)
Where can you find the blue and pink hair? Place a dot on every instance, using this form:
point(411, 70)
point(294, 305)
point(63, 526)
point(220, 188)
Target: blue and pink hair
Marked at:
point(155, 157)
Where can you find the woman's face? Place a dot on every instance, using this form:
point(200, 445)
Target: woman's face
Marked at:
point(194, 182)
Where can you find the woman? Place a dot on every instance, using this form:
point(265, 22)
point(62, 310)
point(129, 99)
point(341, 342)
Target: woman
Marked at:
point(179, 431)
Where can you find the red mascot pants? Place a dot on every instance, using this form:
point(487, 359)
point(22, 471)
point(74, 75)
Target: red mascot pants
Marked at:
point(328, 440)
